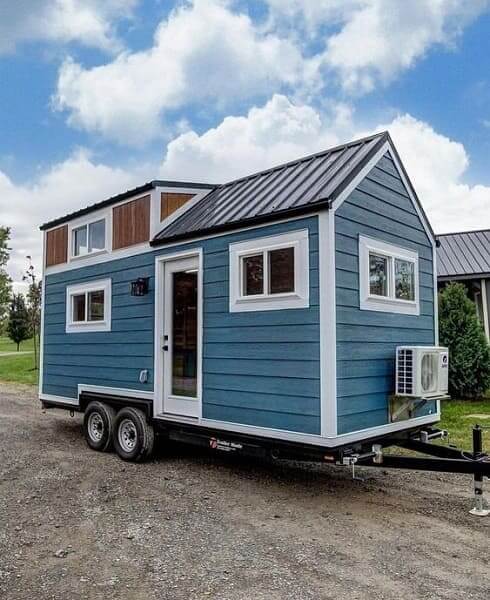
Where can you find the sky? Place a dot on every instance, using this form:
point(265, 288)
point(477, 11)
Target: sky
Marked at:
point(99, 97)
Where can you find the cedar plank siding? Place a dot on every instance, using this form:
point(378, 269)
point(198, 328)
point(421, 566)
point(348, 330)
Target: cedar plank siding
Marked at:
point(57, 246)
point(131, 223)
point(169, 203)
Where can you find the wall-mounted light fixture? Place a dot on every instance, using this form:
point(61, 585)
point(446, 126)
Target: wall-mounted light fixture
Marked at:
point(140, 287)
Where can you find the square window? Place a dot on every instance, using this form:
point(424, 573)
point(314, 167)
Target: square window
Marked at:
point(88, 306)
point(270, 273)
point(96, 306)
point(404, 279)
point(80, 241)
point(96, 241)
point(253, 275)
point(378, 275)
point(388, 277)
point(78, 308)
point(281, 271)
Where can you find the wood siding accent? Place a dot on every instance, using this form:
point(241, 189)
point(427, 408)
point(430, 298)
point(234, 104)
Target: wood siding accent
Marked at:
point(170, 202)
point(57, 246)
point(131, 223)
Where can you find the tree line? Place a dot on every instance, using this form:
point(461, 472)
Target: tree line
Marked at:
point(20, 315)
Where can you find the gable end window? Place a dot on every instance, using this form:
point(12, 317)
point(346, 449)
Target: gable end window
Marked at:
point(388, 277)
point(88, 307)
point(270, 273)
point(88, 238)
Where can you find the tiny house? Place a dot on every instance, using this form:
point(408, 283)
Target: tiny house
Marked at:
point(265, 312)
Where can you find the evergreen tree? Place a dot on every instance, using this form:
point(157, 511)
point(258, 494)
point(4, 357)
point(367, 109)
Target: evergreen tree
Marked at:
point(18, 328)
point(469, 352)
point(5, 281)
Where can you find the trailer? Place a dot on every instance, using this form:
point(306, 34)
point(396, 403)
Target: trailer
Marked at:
point(291, 313)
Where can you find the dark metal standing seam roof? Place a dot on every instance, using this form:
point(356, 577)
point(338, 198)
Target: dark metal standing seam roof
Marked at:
point(287, 188)
point(464, 254)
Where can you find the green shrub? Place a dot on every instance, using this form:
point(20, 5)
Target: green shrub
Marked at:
point(469, 352)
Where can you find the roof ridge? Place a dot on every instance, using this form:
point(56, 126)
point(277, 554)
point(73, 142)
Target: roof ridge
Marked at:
point(485, 230)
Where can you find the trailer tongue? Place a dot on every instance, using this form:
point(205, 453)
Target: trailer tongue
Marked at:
point(447, 459)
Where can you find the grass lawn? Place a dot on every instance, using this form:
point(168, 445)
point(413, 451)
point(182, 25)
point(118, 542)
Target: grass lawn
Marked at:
point(7, 345)
point(17, 369)
point(456, 419)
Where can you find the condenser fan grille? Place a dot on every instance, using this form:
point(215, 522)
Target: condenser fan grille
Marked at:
point(405, 371)
point(429, 372)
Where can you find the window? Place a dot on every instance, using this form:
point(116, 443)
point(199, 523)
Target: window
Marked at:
point(270, 273)
point(88, 307)
point(88, 238)
point(388, 277)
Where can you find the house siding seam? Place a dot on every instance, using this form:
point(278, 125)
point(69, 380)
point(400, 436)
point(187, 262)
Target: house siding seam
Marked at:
point(380, 208)
point(259, 368)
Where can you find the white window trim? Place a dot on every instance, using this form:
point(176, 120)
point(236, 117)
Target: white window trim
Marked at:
point(86, 223)
point(104, 285)
point(390, 304)
point(300, 298)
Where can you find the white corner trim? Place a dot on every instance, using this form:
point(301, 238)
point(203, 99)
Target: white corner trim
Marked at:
point(328, 323)
point(300, 298)
point(59, 399)
point(360, 176)
point(436, 295)
point(43, 302)
point(390, 303)
point(114, 391)
point(104, 285)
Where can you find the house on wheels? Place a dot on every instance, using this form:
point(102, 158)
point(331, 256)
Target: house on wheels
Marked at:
point(290, 311)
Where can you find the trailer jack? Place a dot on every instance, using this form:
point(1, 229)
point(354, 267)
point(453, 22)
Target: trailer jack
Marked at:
point(446, 459)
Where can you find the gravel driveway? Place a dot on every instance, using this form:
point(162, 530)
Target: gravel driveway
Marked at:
point(78, 524)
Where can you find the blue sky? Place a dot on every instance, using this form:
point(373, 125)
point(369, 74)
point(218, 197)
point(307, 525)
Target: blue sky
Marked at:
point(98, 97)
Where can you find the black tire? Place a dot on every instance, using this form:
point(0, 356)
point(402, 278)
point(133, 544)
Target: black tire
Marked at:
point(133, 436)
point(98, 426)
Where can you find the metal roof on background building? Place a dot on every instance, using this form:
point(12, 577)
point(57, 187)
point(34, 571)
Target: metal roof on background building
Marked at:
point(464, 254)
point(279, 191)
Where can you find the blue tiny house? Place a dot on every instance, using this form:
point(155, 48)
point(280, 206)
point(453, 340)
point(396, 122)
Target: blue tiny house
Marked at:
point(270, 307)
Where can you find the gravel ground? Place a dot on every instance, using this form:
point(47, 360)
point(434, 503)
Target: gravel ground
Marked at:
point(78, 524)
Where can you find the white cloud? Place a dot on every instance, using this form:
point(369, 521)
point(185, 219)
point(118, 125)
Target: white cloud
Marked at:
point(68, 186)
point(274, 133)
point(89, 22)
point(281, 131)
point(267, 135)
point(203, 53)
point(437, 167)
point(377, 39)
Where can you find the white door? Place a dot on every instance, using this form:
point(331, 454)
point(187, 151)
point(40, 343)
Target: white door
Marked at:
point(181, 337)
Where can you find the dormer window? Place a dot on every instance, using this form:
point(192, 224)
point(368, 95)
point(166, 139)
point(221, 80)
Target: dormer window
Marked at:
point(89, 238)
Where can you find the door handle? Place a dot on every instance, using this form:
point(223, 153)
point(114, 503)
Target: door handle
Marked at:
point(165, 348)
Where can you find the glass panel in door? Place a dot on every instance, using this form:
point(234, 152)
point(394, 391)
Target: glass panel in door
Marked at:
point(184, 334)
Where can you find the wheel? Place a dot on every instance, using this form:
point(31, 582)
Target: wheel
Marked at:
point(133, 437)
point(98, 426)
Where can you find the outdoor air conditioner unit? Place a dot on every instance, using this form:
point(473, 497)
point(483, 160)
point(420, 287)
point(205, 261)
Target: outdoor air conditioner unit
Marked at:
point(421, 371)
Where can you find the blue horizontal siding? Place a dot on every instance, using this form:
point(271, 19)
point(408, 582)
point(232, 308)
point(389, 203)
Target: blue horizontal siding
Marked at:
point(259, 368)
point(366, 340)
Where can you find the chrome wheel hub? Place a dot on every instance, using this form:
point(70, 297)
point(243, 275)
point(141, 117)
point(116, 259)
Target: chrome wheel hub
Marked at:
point(95, 427)
point(127, 435)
